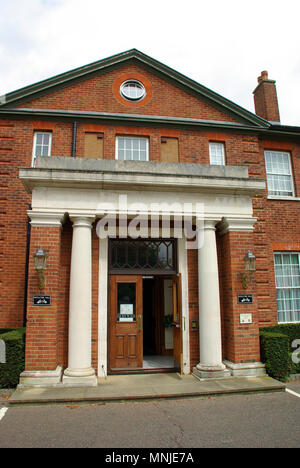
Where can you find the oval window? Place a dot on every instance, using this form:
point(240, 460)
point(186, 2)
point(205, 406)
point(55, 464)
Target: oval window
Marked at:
point(133, 90)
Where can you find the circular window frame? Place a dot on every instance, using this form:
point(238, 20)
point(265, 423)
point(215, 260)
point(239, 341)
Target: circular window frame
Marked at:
point(130, 98)
point(132, 76)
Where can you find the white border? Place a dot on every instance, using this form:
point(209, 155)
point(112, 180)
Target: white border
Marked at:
point(34, 145)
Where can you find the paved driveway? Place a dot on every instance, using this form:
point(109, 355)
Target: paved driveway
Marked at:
point(256, 420)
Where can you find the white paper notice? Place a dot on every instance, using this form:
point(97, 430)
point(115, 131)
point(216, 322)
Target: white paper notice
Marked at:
point(126, 309)
point(126, 313)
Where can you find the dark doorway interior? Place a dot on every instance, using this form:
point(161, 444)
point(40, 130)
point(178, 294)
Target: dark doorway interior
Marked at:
point(149, 319)
point(155, 354)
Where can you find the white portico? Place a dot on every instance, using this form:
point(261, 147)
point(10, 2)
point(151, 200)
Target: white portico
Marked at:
point(90, 190)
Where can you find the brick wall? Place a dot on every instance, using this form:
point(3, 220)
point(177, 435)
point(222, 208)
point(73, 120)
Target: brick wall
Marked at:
point(43, 322)
point(100, 94)
point(240, 341)
point(277, 227)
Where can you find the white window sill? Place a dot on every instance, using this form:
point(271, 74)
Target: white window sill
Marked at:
point(286, 323)
point(281, 197)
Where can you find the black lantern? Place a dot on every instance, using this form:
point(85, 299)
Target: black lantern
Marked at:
point(250, 261)
point(40, 258)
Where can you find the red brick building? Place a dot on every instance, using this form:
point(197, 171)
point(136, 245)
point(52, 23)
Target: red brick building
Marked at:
point(151, 196)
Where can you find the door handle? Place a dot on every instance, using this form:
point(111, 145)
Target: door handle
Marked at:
point(139, 323)
point(175, 325)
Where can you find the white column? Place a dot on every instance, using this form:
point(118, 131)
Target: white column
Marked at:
point(102, 308)
point(183, 269)
point(79, 371)
point(210, 365)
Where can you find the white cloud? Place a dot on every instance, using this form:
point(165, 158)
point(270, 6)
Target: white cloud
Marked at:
point(222, 45)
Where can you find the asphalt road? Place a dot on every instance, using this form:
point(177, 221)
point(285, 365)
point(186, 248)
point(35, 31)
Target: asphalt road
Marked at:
point(246, 421)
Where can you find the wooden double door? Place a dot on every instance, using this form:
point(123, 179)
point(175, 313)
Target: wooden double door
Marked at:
point(126, 322)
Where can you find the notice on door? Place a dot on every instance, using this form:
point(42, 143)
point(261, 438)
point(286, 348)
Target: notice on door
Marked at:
point(126, 313)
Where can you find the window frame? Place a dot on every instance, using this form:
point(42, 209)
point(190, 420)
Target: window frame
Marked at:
point(219, 144)
point(134, 137)
point(34, 156)
point(132, 98)
point(290, 175)
point(143, 268)
point(284, 311)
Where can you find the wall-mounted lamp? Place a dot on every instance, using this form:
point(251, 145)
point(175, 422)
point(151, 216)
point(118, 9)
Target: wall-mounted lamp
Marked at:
point(250, 261)
point(40, 258)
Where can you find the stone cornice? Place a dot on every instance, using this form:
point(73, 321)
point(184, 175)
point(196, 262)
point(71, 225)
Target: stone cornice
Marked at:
point(236, 225)
point(119, 175)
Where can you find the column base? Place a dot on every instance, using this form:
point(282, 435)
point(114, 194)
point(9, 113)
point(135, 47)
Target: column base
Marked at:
point(40, 378)
point(246, 369)
point(80, 377)
point(204, 372)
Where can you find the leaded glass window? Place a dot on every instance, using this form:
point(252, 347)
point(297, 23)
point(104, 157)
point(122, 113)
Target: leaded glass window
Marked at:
point(140, 255)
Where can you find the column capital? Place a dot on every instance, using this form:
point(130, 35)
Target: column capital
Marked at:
point(42, 219)
point(82, 220)
point(236, 224)
point(207, 222)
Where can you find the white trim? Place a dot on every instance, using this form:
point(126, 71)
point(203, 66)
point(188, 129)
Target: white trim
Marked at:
point(292, 393)
point(183, 269)
point(41, 378)
point(46, 219)
point(246, 369)
point(285, 197)
point(285, 312)
point(3, 412)
point(221, 146)
point(281, 197)
point(36, 133)
point(130, 98)
point(103, 306)
point(130, 137)
point(103, 309)
point(236, 224)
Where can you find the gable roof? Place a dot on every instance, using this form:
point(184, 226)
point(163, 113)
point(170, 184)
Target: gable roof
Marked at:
point(10, 100)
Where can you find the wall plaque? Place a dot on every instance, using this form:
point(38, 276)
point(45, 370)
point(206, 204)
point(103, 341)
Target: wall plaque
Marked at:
point(42, 300)
point(245, 299)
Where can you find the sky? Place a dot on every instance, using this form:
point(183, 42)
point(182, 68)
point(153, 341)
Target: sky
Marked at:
point(222, 44)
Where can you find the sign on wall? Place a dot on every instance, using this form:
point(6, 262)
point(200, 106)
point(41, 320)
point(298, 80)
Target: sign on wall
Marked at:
point(245, 299)
point(42, 300)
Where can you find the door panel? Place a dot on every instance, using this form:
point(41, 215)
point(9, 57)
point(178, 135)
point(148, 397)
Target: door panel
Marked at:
point(126, 331)
point(177, 322)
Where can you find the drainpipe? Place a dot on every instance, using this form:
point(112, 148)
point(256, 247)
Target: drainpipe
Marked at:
point(74, 139)
point(26, 267)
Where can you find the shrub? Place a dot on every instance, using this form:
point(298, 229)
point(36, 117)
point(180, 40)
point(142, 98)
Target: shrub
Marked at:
point(15, 357)
point(292, 332)
point(275, 355)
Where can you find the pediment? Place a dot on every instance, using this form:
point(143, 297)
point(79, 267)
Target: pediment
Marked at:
point(95, 89)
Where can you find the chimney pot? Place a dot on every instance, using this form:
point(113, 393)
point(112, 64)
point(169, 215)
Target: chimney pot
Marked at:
point(263, 76)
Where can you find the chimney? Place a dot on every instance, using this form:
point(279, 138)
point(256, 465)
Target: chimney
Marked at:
point(265, 98)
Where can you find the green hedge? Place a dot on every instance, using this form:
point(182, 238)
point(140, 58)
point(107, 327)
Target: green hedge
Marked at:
point(274, 353)
point(276, 349)
point(15, 356)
